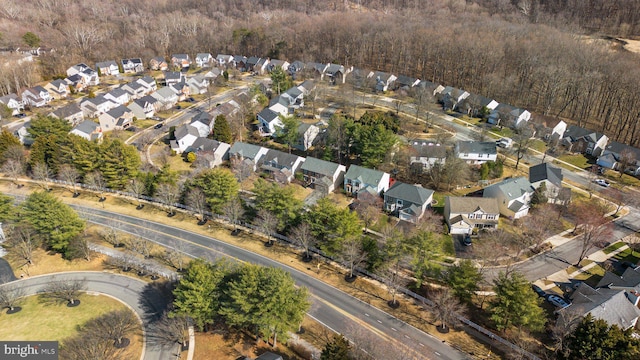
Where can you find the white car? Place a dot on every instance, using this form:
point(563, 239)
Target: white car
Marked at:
point(602, 182)
point(557, 301)
point(505, 142)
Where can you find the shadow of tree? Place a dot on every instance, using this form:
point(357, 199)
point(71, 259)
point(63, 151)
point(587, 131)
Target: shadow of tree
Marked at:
point(156, 298)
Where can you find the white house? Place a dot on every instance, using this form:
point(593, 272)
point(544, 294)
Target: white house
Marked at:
point(281, 105)
point(425, 154)
point(118, 96)
point(118, 118)
point(12, 102)
point(210, 152)
point(149, 83)
point(223, 60)
point(247, 152)
point(359, 179)
point(89, 76)
point(204, 60)
point(464, 215)
point(270, 122)
point(382, 80)
point(549, 175)
point(307, 134)
point(36, 96)
point(106, 68)
point(513, 196)
point(71, 112)
point(203, 122)
point(281, 165)
point(476, 152)
point(185, 135)
point(135, 90)
point(142, 108)
point(93, 107)
point(520, 116)
point(132, 66)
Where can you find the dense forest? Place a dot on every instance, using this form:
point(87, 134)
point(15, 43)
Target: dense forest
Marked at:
point(543, 55)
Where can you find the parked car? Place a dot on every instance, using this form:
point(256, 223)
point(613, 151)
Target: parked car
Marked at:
point(132, 129)
point(158, 126)
point(505, 142)
point(557, 301)
point(602, 182)
point(178, 107)
point(628, 264)
point(466, 240)
point(191, 99)
point(538, 290)
point(21, 115)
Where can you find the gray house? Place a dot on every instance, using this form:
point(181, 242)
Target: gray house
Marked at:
point(281, 165)
point(549, 175)
point(247, 152)
point(322, 175)
point(407, 202)
point(513, 195)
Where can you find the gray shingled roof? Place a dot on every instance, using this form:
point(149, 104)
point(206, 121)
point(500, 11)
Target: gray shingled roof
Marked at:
point(107, 63)
point(364, 175)
point(67, 110)
point(575, 132)
point(117, 92)
point(462, 205)
point(545, 171)
point(87, 127)
point(629, 279)
point(318, 166)
point(429, 149)
point(408, 192)
point(610, 305)
point(477, 147)
point(185, 130)
point(513, 188)
point(268, 115)
point(245, 150)
point(118, 111)
point(280, 158)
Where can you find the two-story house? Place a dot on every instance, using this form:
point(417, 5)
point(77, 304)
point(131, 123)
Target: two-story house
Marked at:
point(281, 105)
point(89, 76)
point(321, 175)
point(476, 152)
point(282, 166)
point(277, 64)
point(132, 66)
point(93, 107)
point(118, 118)
point(223, 60)
point(307, 134)
point(173, 77)
point(144, 107)
point(203, 122)
point(465, 215)
point(58, 89)
point(549, 175)
point(198, 84)
point(118, 96)
point(180, 61)
point(209, 151)
point(13, 102)
point(185, 136)
point(616, 155)
point(426, 154)
point(204, 60)
point(89, 130)
point(36, 96)
point(359, 179)
point(477, 105)
point(336, 73)
point(134, 89)
point(581, 140)
point(269, 122)
point(513, 196)
point(106, 68)
point(158, 63)
point(149, 83)
point(166, 96)
point(450, 97)
point(247, 152)
point(383, 80)
point(71, 112)
point(407, 202)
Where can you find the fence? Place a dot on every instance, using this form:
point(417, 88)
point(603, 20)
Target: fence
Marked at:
point(290, 243)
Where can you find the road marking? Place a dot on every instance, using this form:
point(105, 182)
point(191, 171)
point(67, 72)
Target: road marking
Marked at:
point(379, 321)
point(407, 336)
point(437, 353)
point(365, 314)
point(421, 344)
point(394, 329)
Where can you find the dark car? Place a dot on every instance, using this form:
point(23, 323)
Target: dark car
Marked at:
point(21, 115)
point(158, 126)
point(538, 290)
point(191, 99)
point(178, 107)
point(466, 240)
point(132, 129)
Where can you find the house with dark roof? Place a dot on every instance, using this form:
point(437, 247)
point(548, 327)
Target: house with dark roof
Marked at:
point(321, 175)
point(359, 179)
point(281, 105)
point(118, 118)
point(149, 83)
point(476, 152)
point(617, 154)
point(425, 154)
point(383, 80)
point(269, 356)
point(296, 68)
point(132, 66)
point(158, 63)
point(282, 166)
point(198, 84)
point(203, 122)
point(36, 96)
point(450, 97)
point(261, 66)
point(474, 105)
point(89, 76)
point(144, 107)
point(71, 112)
point(465, 215)
point(173, 77)
point(106, 68)
point(295, 97)
point(209, 152)
point(251, 62)
point(580, 140)
point(185, 136)
point(501, 115)
point(430, 87)
point(616, 306)
point(404, 82)
point(307, 134)
point(223, 60)
point(240, 63)
point(407, 202)
point(336, 73)
point(551, 176)
point(513, 195)
point(269, 122)
point(134, 89)
point(247, 152)
point(89, 130)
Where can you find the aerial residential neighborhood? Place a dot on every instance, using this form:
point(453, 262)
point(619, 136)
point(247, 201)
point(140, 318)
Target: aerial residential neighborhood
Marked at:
point(259, 190)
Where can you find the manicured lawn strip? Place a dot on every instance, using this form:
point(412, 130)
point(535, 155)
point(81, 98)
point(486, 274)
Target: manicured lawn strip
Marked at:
point(576, 160)
point(613, 247)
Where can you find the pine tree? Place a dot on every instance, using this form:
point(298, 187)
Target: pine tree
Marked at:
point(337, 349)
point(516, 304)
point(221, 130)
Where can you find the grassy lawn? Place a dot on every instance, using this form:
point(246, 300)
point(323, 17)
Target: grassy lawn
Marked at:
point(575, 159)
point(504, 132)
point(50, 322)
point(626, 180)
point(628, 255)
point(613, 247)
point(538, 145)
point(144, 123)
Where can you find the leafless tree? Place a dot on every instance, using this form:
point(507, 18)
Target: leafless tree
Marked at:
point(197, 200)
point(522, 141)
point(174, 255)
point(625, 159)
point(10, 9)
point(89, 345)
point(542, 222)
point(111, 235)
point(234, 211)
point(41, 173)
point(169, 195)
point(170, 330)
point(10, 297)
point(84, 36)
point(302, 234)
point(125, 262)
point(95, 181)
point(267, 224)
point(22, 241)
point(17, 154)
point(594, 228)
point(69, 174)
point(140, 245)
point(393, 280)
point(566, 321)
point(447, 308)
point(13, 169)
point(353, 254)
point(65, 291)
point(620, 197)
point(114, 326)
point(241, 168)
point(136, 188)
point(79, 248)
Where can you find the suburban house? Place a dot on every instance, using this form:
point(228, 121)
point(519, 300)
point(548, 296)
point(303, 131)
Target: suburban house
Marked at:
point(58, 89)
point(281, 105)
point(118, 96)
point(614, 305)
point(166, 96)
point(475, 105)
point(203, 122)
point(359, 179)
point(210, 152)
point(180, 61)
point(198, 84)
point(132, 66)
point(158, 63)
point(317, 69)
point(407, 202)
point(13, 102)
point(581, 140)
point(149, 83)
point(247, 152)
point(182, 89)
point(549, 175)
point(513, 196)
point(173, 77)
point(321, 175)
point(118, 118)
point(307, 87)
point(93, 107)
point(134, 89)
point(519, 117)
point(223, 60)
point(425, 154)
point(275, 63)
point(465, 215)
point(88, 75)
point(336, 73)
point(382, 80)
point(89, 130)
point(71, 112)
point(22, 133)
point(251, 62)
point(106, 68)
point(281, 165)
point(270, 122)
point(501, 115)
point(450, 97)
point(185, 136)
point(429, 87)
point(204, 60)
point(295, 68)
point(617, 154)
point(405, 82)
point(240, 63)
point(476, 152)
point(36, 96)
point(307, 134)
point(143, 108)
point(209, 73)
point(261, 66)
point(551, 128)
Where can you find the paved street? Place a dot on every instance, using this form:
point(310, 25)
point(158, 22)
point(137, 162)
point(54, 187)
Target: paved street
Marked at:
point(142, 299)
point(336, 309)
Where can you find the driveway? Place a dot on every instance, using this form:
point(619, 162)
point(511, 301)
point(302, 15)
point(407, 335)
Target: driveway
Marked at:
point(6, 273)
point(144, 299)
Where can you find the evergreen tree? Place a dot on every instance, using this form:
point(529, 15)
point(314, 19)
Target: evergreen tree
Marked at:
point(120, 163)
point(221, 130)
point(288, 134)
point(516, 304)
point(47, 125)
point(337, 349)
point(7, 208)
point(332, 225)
point(219, 185)
point(54, 221)
point(31, 39)
point(279, 200)
point(7, 139)
point(463, 279)
point(540, 195)
point(595, 339)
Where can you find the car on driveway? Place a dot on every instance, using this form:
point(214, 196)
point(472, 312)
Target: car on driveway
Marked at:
point(538, 290)
point(466, 240)
point(21, 115)
point(602, 182)
point(557, 301)
point(158, 126)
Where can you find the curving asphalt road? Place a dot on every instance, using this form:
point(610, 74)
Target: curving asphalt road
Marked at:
point(332, 307)
point(141, 297)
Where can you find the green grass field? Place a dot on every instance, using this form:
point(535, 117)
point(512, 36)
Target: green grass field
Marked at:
point(43, 321)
